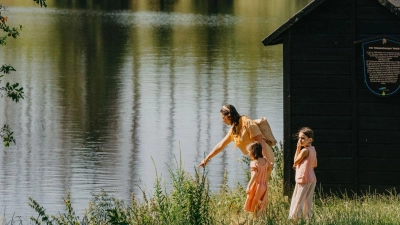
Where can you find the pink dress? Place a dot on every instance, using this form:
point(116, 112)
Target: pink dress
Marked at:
point(255, 198)
point(302, 199)
point(305, 171)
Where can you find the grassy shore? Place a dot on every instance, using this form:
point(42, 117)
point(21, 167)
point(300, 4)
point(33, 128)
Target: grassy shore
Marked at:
point(190, 201)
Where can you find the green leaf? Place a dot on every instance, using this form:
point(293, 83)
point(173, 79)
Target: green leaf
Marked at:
point(6, 69)
point(7, 135)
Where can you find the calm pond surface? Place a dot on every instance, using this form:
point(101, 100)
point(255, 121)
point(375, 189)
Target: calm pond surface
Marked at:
point(118, 91)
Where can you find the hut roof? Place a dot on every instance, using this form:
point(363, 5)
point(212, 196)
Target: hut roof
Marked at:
point(276, 37)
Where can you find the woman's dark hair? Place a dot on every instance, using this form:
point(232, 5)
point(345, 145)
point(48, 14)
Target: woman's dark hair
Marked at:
point(230, 111)
point(255, 150)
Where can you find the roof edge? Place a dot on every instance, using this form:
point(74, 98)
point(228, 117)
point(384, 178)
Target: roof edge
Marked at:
point(274, 38)
point(392, 5)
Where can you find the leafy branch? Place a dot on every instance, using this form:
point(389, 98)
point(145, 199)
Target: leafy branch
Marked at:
point(42, 3)
point(13, 91)
point(7, 135)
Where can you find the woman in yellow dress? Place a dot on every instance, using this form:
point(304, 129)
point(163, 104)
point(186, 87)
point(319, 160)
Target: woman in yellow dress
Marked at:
point(244, 131)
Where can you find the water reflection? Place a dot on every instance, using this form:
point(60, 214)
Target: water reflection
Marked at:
point(111, 92)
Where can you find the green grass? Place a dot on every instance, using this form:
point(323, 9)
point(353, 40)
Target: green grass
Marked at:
point(190, 201)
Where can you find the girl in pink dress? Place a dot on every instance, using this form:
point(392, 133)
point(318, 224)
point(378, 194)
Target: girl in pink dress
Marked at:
point(257, 189)
point(305, 160)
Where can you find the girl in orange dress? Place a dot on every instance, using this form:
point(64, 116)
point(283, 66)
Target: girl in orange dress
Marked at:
point(305, 160)
point(257, 189)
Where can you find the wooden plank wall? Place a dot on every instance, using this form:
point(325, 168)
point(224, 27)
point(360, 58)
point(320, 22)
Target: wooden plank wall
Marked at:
point(321, 91)
point(357, 134)
point(378, 117)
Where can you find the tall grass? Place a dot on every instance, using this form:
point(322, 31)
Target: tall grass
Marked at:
point(190, 201)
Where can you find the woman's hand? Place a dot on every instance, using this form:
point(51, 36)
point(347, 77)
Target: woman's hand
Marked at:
point(202, 164)
point(217, 149)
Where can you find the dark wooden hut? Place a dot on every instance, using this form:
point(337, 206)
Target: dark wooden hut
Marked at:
point(334, 84)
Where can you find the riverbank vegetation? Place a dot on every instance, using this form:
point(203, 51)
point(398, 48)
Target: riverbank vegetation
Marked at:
point(189, 200)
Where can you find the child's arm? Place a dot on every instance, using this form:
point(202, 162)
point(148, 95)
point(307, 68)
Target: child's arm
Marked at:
point(253, 177)
point(298, 148)
point(302, 155)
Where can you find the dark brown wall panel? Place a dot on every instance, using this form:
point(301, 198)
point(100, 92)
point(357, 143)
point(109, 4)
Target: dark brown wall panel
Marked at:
point(379, 150)
point(334, 136)
point(378, 27)
point(335, 163)
point(366, 96)
point(333, 149)
point(321, 109)
point(379, 137)
point(322, 40)
point(320, 95)
point(379, 164)
point(371, 13)
point(323, 27)
point(321, 81)
point(335, 177)
point(325, 67)
point(320, 54)
point(388, 123)
point(378, 109)
point(324, 122)
point(379, 178)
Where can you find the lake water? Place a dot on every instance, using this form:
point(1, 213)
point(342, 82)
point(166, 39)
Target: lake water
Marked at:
point(118, 91)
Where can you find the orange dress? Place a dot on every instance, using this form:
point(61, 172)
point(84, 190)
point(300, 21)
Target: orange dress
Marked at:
point(255, 198)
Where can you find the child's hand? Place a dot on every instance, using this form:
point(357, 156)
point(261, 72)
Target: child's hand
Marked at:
point(298, 145)
point(298, 149)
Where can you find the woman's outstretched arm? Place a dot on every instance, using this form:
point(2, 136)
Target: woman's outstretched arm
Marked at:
point(217, 149)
